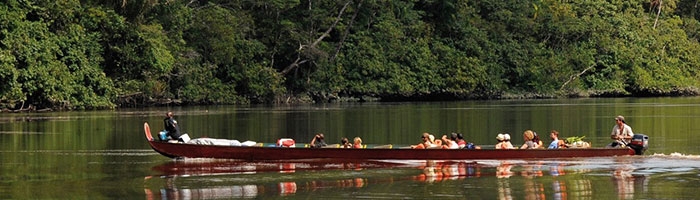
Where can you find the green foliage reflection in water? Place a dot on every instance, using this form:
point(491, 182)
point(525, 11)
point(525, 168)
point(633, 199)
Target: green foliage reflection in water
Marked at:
point(101, 54)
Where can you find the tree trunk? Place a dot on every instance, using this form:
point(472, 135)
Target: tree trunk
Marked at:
point(661, 2)
point(295, 64)
point(299, 61)
point(345, 34)
point(695, 8)
point(573, 77)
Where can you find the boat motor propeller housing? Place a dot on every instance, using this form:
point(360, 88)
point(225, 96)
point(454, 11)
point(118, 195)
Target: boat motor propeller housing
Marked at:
point(640, 143)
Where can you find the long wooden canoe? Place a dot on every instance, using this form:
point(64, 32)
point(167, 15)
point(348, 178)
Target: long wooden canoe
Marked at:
point(182, 150)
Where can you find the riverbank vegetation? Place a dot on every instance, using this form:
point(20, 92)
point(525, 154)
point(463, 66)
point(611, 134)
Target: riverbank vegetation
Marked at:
point(82, 54)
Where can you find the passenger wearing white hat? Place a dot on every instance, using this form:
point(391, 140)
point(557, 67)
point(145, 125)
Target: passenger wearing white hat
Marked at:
point(508, 145)
point(503, 141)
point(500, 137)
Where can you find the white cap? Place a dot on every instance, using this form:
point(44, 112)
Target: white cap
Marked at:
point(500, 137)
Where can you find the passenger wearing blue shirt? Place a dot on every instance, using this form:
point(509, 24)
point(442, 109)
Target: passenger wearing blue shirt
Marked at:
point(556, 143)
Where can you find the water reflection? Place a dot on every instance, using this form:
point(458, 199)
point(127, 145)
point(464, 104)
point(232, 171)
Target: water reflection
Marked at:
point(503, 170)
point(504, 192)
point(430, 172)
point(559, 190)
point(533, 189)
point(532, 170)
point(513, 179)
point(171, 191)
point(199, 167)
point(235, 191)
point(173, 172)
point(625, 181)
point(436, 171)
point(556, 169)
point(580, 189)
point(287, 188)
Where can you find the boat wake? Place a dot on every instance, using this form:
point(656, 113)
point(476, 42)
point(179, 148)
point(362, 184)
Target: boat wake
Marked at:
point(676, 155)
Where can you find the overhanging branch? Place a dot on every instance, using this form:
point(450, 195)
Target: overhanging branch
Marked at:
point(299, 61)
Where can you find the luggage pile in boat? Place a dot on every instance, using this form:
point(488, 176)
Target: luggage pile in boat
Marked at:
point(221, 142)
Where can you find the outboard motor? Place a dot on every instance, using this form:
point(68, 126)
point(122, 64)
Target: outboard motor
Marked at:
point(640, 143)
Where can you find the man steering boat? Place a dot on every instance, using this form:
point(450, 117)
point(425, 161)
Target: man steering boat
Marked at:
point(621, 133)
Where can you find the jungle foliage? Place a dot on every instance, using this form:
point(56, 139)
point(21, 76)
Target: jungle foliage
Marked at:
point(83, 54)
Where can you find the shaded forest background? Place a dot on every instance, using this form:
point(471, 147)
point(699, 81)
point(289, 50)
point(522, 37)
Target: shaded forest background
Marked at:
point(86, 54)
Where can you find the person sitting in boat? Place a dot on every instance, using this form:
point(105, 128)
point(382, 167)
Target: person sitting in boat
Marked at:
point(463, 144)
point(459, 139)
point(556, 142)
point(344, 143)
point(425, 142)
point(537, 140)
point(530, 142)
point(435, 143)
point(507, 144)
point(502, 144)
point(449, 143)
point(317, 142)
point(621, 133)
point(357, 143)
point(171, 127)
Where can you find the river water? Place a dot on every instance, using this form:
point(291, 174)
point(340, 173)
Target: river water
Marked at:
point(103, 154)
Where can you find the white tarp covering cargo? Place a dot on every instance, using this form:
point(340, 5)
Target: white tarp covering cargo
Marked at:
point(220, 142)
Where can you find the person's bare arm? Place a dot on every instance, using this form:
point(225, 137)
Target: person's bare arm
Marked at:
point(313, 141)
point(628, 136)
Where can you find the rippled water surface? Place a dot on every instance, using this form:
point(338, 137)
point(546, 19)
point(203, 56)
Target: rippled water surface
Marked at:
point(103, 154)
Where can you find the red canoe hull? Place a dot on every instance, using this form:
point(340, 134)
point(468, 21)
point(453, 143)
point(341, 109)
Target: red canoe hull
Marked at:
point(175, 150)
point(179, 150)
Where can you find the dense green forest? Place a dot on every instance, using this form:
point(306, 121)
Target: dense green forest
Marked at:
point(84, 54)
